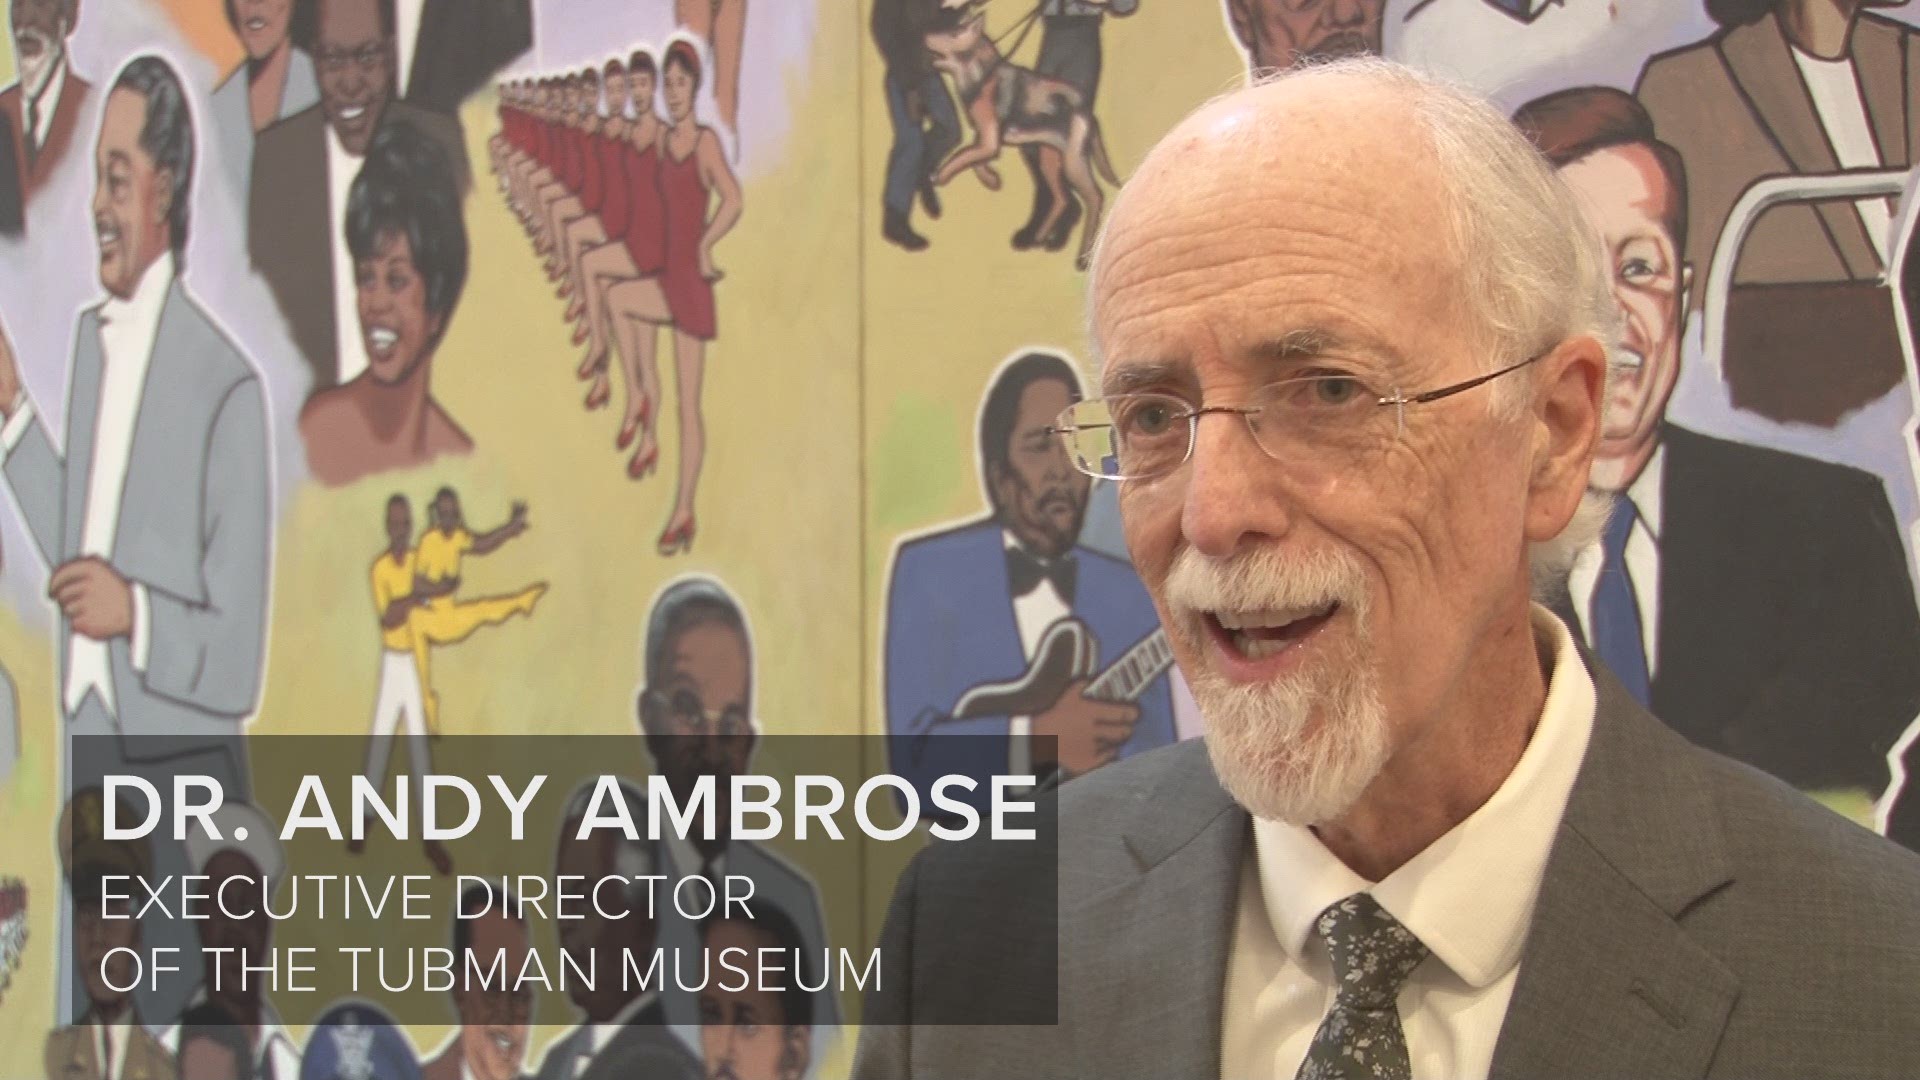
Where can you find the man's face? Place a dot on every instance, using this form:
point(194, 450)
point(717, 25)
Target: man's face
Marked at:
point(1281, 33)
point(592, 939)
point(493, 1022)
point(244, 938)
point(1038, 493)
point(1627, 198)
point(204, 1059)
point(263, 25)
point(96, 937)
point(399, 524)
point(356, 63)
point(1327, 604)
point(40, 29)
point(446, 511)
point(744, 1029)
point(131, 197)
point(699, 723)
point(391, 294)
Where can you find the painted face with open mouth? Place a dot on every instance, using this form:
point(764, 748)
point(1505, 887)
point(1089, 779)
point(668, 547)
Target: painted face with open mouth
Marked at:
point(263, 25)
point(398, 331)
point(355, 60)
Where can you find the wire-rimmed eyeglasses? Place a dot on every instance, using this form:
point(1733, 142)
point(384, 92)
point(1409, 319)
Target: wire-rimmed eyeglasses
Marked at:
point(1334, 420)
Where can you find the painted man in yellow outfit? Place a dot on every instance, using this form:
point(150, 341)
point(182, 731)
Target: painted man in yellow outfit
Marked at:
point(443, 620)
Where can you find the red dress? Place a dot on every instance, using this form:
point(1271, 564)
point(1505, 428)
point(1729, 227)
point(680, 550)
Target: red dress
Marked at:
point(613, 187)
point(646, 225)
point(684, 197)
point(590, 186)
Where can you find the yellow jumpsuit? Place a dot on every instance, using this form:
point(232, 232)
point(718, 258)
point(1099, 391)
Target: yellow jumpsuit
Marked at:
point(444, 620)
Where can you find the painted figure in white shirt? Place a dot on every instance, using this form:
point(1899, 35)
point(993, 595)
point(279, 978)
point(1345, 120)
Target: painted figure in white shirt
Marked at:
point(1276, 34)
point(44, 106)
point(1765, 583)
point(491, 1041)
point(1785, 88)
point(695, 712)
point(154, 517)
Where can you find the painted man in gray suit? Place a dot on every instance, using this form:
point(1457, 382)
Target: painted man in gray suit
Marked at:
point(1426, 835)
point(696, 712)
point(153, 517)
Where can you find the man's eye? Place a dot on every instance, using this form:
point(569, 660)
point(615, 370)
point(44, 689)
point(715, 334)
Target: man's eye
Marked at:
point(1334, 390)
point(1147, 419)
point(1636, 270)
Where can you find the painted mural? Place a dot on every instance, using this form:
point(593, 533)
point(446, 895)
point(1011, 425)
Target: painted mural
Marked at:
point(680, 372)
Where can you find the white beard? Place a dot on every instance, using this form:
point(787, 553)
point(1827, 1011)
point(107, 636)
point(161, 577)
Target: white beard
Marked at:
point(36, 73)
point(1300, 749)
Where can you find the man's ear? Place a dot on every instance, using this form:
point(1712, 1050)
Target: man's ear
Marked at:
point(796, 1051)
point(163, 195)
point(1686, 284)
point(1568, 401)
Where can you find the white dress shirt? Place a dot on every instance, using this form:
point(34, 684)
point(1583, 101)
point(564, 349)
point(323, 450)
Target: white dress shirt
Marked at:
point(1469, 897)
point(407, 14)
point(350, 349)
point(47, 103)
point(127, 331)
point(112, 1066)
point(1642, 556)
point(1032, 614)
point(1835, 89)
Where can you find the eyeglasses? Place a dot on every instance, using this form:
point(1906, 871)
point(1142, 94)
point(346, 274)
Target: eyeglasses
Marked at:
point(687, 716)
point(1333, 422)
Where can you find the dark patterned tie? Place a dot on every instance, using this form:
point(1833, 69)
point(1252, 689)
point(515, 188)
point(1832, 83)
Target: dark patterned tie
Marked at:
point(1372, 956)
point(1617, 628)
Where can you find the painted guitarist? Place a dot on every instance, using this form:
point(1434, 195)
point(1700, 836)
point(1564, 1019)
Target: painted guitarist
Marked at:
point(972, 605)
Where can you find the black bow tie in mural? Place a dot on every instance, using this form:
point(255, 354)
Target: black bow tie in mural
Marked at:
point(1026, 571)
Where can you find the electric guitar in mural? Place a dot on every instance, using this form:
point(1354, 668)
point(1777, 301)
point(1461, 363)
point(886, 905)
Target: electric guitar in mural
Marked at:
point(1068, 653)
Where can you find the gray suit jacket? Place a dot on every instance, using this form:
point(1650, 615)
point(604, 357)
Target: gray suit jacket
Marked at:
point(1698, 919)
point(193, 528)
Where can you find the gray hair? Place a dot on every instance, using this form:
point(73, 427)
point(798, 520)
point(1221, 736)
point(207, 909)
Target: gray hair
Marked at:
point(1532, 272)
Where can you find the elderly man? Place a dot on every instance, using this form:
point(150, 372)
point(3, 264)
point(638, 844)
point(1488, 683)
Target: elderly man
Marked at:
point(1353, 403)
point(44, 107)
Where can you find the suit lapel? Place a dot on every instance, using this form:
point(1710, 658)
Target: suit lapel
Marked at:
point(1151, 952)
point(1880, 61)
point(83, 415)
point(1761, 63)
point(1609, 978)
point(148, 462)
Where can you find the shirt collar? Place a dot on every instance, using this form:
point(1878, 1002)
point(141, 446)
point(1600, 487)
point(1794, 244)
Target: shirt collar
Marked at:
point(1469, 896)
point(687, 859)
point(50, 93)
point(1645, 489)
point(139, 315)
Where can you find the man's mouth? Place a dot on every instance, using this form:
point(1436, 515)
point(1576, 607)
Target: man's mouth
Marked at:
point(1258, 635)
point(256, 24)
point(381, 340)
point(503, 1042)
point(108, 237)
point(1631, 361)
point(351, 113)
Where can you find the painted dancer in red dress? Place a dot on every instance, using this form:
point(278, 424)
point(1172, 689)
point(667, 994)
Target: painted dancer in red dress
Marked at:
point(606, 215)
point(637, 251)
point(581, 181)
point(693, 170)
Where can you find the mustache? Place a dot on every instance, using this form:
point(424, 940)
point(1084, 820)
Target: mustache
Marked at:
point(1267, 579)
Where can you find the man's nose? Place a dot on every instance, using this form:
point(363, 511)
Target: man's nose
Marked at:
point(1230, 500)
point(1348, 12)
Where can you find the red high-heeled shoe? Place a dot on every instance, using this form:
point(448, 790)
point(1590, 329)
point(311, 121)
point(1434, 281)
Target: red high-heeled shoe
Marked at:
point(639, 466)
point(590, 365)
point(598, 396)
point(580, 334)
point(634, 426)
point(565, 291)
point(575, 310)
point(677, 538)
